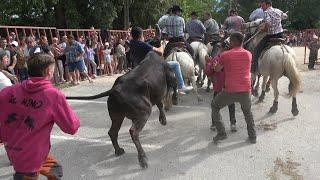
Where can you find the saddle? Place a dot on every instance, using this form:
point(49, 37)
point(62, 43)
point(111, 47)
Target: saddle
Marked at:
point(195, 39)
point(178, 45)
point(276, 41)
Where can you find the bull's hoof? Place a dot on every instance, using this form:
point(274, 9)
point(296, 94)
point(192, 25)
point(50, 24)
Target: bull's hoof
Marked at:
point(119, 152)
point(143, 161)
point(255, 93)
point(295, 112)
point(208, 89)
point(163, 120)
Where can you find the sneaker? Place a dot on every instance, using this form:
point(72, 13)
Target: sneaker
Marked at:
point(219, 137)
point(94, 76)
point(233, 128)
point(186, 88)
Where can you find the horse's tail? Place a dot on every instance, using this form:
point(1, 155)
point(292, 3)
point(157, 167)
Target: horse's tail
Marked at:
point(202, 56)
point(104, 94)
point(291, 71)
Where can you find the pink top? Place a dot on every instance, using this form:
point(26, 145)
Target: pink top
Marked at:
point(28, 113)
point(218, 76)
point(237, 63)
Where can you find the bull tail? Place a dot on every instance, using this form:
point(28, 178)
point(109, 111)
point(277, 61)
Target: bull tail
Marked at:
point(101, 95)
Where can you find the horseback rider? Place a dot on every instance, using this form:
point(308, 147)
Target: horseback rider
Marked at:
point(233, 23)
point(273, 18)
point(175, 27)
point(257, 14)
point(212, 28)
point(139, 49)
point(195, 29)
point(164, 17)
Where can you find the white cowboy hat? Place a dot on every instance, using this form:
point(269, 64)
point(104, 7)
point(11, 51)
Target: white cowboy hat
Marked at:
point(15, 43)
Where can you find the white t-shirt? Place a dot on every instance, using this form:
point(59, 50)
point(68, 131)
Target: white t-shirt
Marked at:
point(4, 81)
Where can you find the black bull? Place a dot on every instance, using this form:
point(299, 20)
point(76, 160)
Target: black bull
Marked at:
point(133, 96)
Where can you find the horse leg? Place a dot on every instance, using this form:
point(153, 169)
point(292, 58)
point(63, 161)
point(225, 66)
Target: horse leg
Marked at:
point(263, 93)
point(268, 85)
point(274, 84)
point(137, 126)
point(203, 78)
point(209, 84)
point(199, 79)
point(254, 92)
point(117, 120)
point(162, 116)
point(258, 83)
point(294, 109)
point(195, 89)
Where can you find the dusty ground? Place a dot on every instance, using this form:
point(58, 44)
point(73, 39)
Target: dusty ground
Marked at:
point(287, 147)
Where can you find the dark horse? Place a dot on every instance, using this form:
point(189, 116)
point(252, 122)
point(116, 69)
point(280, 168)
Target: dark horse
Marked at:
point(133, 96)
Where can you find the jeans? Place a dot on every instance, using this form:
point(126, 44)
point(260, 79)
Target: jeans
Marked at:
point(232, 111)
point(177, 71)
point(223, 99)
point(313, 56)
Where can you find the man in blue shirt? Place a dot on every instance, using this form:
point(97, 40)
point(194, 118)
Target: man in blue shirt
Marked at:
point(139, 49)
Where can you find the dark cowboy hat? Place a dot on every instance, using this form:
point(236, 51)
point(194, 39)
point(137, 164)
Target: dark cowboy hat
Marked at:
point(176, 8)
point(266, 1)
point(193, 13)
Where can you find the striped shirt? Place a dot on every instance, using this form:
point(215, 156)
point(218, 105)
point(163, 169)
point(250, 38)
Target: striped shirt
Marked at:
point(195, 28)
point(273, 17)
point(174, 25)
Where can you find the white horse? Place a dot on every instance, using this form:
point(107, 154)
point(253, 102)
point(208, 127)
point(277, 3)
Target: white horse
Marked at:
point(187, 68)
point(201, 52)
point(275, 62)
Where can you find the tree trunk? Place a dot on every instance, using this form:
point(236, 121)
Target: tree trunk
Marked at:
point(60, 15)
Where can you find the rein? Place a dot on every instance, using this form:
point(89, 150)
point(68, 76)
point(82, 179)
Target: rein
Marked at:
point(245, 43)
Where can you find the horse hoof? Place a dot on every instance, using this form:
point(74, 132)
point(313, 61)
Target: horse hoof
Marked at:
point(255, 93)
point(260, 99)
point(295, 112)
point(143, 162)
point(119, 152)
point(267, 89)
point(273, 110)
point(163, 120)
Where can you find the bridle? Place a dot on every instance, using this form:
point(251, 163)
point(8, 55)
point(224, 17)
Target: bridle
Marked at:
point(255, 33)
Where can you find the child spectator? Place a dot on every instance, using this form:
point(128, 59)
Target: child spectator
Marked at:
point(4, 80)
point(4, 62)
point(89, 57)
point(107, 58)
point(28, 113)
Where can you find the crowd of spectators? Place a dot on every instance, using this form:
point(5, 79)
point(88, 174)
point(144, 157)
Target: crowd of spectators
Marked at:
point(77, 57)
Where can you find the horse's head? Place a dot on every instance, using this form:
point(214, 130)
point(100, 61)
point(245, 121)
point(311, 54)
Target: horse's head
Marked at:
point(251, 28)
point(254, 32)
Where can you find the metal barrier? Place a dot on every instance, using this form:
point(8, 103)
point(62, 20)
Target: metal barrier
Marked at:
point(17, 32)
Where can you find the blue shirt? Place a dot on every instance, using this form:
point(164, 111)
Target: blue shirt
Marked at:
point(138, 51)
point(72, 51)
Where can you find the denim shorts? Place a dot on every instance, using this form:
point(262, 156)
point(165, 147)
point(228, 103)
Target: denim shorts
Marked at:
point(80, 65)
